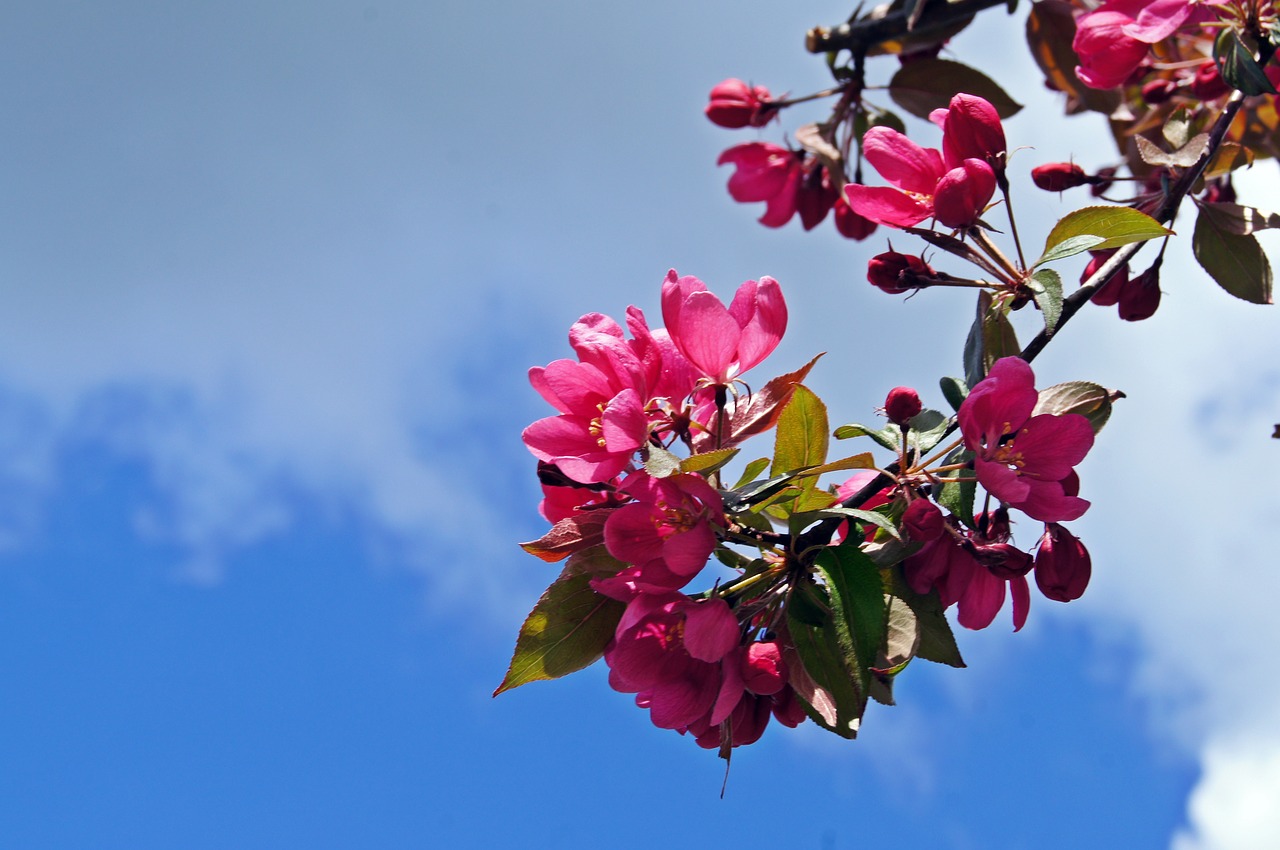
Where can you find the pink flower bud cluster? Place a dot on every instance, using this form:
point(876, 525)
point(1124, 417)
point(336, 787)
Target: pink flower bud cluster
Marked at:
point(1136, 298)
point(692, 663)
point(953, 185)
point(1114, 40)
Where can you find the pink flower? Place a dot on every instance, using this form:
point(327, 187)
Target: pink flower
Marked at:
point(896, 273)
point(1025, 461)
point(735, 104)
point(723, 343)
point(1063, 566)
point(923, 186)
point(971, 129)
point(765, 172)
point(1108, 53)
point(666, 534)
point(667, 649)
point(922, 521)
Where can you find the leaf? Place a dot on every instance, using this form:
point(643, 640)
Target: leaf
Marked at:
point(954, 390)
point(660, 463)
point(1046, 286)
point(929, 427)
point(819, 676)
point(1226, 159)
point(761, 411)
point(937, 642)
point(753, 469)
point(864, 460)
point(902, 633)
point(924, 85)
point(593, 561)
point(877, 519)
point(857, 604)
point(1184, 157)
point(801, 438)
point(1238, 67)
point(569, 535)
point(1116, 225)
point(1236, 262)
point(567, 630)
point(1177, 128)
point(1051, 27)
point(1237, 219)
point(1091, 401)
point(887, 437)
point(1070, 247)
point(958, 496)
point(990, 338)
point(708, 462)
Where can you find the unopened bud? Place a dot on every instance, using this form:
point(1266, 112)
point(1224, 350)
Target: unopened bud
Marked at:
point(1102, 181)
point(1140, 297)
point(815, 197)
point(1063, 566)
point(735, 104)
point(897, 273)
point(1058, 176)
point(1004, 560)
point(1208, 83)
point(902, 404)
point(764, 672)
point(850, 224)
point(922, 521)
point(1158, 91)
point(1108, 295)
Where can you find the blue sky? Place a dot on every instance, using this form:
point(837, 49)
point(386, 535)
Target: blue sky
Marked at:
point(272, 278)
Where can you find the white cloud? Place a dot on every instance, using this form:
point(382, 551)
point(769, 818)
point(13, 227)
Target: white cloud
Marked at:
point(1234, 805)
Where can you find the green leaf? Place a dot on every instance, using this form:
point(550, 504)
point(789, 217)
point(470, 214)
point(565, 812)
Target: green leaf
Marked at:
point(825, 686)
point(1236, 262)
point(924, 85)
point(708, 462)
point(1238, 67)
point(937, 642)
point(1091, 401)
point(801, 438)
point(1047, 288)
point(1177, 128)
point(887, 437)
point(990, 338)
point(958, 496)
point(954, 390)
point(929, 427)
point(753, 469)
point(1237, 219)
point(872, 517)
point(660, 463)
point(863, 460)
point(1115, 225)
point(1070, 247)
point(858, 607)
point(567, 630)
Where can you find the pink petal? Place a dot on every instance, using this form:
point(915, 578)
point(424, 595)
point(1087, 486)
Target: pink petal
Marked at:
point(982, 600)
point(1021, 594)
point(884, 205)
point(962, 194)
point(708, 334)
point(761, 312)
point(901, 161)
point(1051, 445)
point(710, 630)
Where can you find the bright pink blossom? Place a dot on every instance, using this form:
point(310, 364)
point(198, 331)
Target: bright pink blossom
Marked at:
point(971, 129)
point(1114, 39)
point(765, 172)
point(901, 404)
point(723, 343)
point(735, 104)
point(1025, 461)
point(667, 649)
point(922, 186)
point(666, 534)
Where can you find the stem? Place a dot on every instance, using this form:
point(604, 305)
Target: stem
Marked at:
point(1003, 180)
point(983, 241)
point(881, 24)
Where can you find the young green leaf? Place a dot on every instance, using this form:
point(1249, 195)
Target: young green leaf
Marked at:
point(1115, 225)
point(1238, 66)
point(801, 438)
point(1236, 262)
point(954, 390)
point(857, 605)
point(567, 630)
point(753, 469)
point(887, 437)
point(1069, 248)
point(957, 496)
point(1046, 287)
point(708, 462)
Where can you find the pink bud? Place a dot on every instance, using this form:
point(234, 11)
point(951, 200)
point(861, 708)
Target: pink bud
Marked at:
point(1140, 297)
point(897, 273)
point(1208, 83)
point(1058, 176)
point(850, 224)
point(902, 404)
point(763, 670)
point(1109, 294)
point(1004, 560)
point(971, 129)
point(961, 195)
point(1063, 566)
point(1158, 91)
point(922, 521)
point(735, 104)
point(815, 197)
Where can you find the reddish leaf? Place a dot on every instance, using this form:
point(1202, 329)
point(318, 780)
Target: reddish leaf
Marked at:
point(569, 535)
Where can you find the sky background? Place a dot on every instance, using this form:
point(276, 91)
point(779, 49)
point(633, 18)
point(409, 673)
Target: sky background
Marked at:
point(271, 278)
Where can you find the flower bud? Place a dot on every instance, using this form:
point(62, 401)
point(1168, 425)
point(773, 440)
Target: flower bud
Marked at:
point(850, 224)
point(1062, 565)
point(764, 672)
point(1058, 176)
point(735, 104)
point(1140, 296)
point(815, 197)
point(1208, 83)
point(1158, 91)
point(901, 404)
point(1108, 295)
point(897, 273)
point(1102, 181)
point(1004, 560)
point(922, 521)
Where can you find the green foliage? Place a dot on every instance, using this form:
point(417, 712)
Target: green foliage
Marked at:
point(1233, 259)
point(1115, 226)
point(567, 630)
point(924, 85)
point(1046, 288)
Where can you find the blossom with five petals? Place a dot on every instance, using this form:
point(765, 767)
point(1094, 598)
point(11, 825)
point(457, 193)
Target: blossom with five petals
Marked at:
point(723, 343)
point(765, 172)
